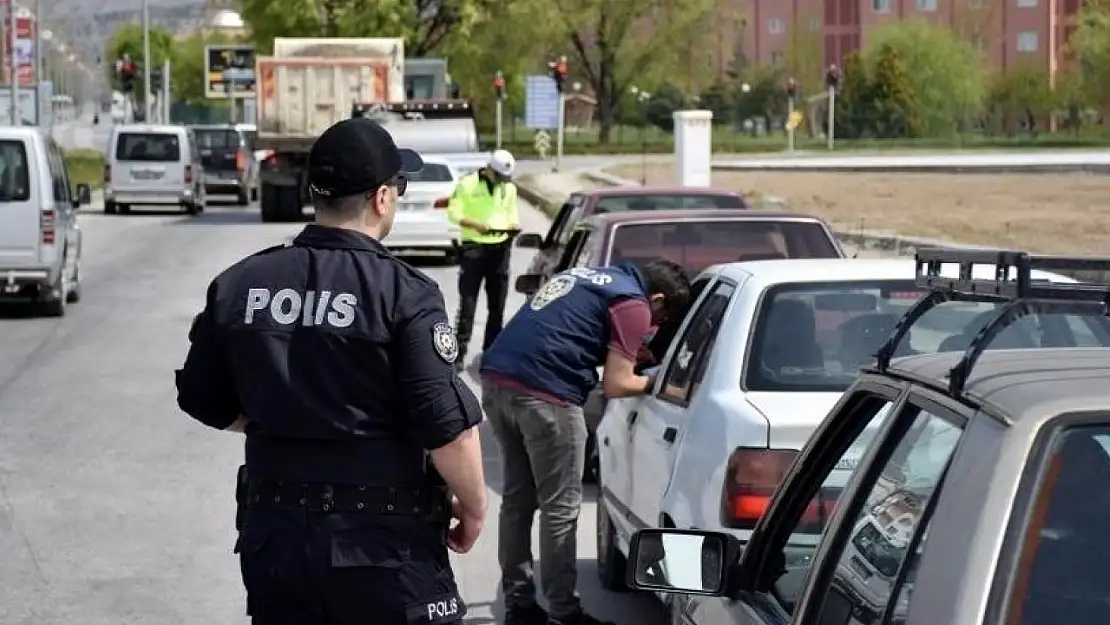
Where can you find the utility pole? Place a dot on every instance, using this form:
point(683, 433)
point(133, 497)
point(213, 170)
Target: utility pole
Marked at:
point(791, 95)
point(40, 106)
point(559, 71)
point(13, 37)
point(499, 88)
point(832, 81)
point(166, 91)
point(146, 62)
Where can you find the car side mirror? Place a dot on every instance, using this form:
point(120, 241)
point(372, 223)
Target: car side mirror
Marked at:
point(692, 562)
point(529, 240)
point(528, 283)
point(84, 195)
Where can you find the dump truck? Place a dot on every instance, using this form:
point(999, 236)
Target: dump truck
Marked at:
point(310, 84)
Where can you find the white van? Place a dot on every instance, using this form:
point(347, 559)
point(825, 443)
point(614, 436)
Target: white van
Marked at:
point(153, 165)
point(40, 242)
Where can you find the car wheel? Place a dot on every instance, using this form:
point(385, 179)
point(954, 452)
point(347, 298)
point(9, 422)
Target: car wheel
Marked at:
point(124, 209)
point(254, 194)
point(593, 461)
point(244, 198)
point(110, 208)
point(610, 560)
point(74, 294)
point(56, 306)
point(192, 208)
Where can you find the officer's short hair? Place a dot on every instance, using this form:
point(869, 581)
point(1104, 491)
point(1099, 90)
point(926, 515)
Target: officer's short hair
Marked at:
point(669, 279)
point(348, 205)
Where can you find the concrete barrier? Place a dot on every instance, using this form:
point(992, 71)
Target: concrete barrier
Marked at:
point(1044, 161)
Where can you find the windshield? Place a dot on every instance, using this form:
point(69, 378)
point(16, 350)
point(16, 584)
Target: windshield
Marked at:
point(148, 146)
point(15, 182)
point(623, 203)
point(217, 139)
point(698, 244)
point(815, 337)
point(432, 172)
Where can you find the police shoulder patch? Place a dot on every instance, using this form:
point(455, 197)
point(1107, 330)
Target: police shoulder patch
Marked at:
point(554, 289)
point(444, 341)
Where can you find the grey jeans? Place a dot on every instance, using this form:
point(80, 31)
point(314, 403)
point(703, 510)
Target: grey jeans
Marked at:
point(543, 451)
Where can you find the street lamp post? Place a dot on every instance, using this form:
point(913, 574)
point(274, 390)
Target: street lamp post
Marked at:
point(641, 98)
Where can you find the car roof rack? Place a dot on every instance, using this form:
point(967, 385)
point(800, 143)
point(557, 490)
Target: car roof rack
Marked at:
point(1012, 285)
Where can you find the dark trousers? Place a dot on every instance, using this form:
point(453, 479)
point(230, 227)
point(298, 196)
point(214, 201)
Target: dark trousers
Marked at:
point(310, 568)
point(477, 263)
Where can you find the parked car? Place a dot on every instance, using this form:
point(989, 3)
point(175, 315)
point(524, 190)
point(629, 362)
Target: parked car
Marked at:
point(230, 166)
point(695, 239)
point(551, 247)
point(797, 333)
point(1006, 451)
point(153, 165)
point(40, 238)
point(421, 221)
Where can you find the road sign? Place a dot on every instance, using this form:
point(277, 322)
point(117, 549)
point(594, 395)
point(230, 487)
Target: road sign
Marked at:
point(542, 143)
point(541, 103)
point(229, 67)
point(794, 121)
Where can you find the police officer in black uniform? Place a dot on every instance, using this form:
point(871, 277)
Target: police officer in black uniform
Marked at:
point(335, 359)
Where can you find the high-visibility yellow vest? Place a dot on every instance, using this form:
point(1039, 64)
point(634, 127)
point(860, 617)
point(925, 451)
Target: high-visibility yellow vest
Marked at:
point(472, 199)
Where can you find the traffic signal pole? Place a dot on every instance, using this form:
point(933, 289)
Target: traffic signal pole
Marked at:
point(832, 81)
point(147, 61)
point(559, 70)
point(499, 89)
point(13, 35)
point(791, 94)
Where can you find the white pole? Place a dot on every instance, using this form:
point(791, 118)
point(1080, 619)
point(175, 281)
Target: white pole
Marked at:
point(146, 63)
point(39, 104)
point(559, 136)
point(790, 124)
point(498, 112)
point(832, 116)
point(13, 37)
point(166, 91)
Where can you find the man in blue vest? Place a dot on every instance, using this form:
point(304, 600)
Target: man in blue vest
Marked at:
point(535, 378)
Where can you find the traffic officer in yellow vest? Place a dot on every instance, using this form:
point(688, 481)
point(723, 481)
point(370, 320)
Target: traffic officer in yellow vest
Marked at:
point(484, 207)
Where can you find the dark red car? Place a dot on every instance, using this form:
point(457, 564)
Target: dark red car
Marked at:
point(619, 200)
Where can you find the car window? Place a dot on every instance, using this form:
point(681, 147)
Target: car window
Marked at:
point(15, 179)
point(665, 201)
point(587, 253)
point(566, 228)
point(216, 139)
point(148, 147)
point(574, 247)
point(58, 174)
point(815, 336)
point(687, 365)
point(1062, 569)
point(881, 532)
point(432, 172)
point(696, 245)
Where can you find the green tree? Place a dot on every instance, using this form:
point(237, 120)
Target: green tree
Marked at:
point(128, 39)
point(944, 72)
point(1090, 44)
point(615, 45)
point(804, 54)
point(1021, 92)
point(855, 103)
point(426, 25)
point(717, 98)
point(897, 112)
point(663, 103)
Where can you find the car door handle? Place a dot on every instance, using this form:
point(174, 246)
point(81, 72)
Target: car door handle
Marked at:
point(632, 416)
point(670, 434)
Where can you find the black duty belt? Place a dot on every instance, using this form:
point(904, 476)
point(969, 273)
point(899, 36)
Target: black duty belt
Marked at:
point(432, 502)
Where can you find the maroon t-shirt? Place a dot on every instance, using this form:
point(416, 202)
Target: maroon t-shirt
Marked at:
point(629, 325)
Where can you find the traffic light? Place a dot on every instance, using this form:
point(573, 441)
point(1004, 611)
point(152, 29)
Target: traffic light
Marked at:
point(791, 88)
point(559, 72)
point(499, 85)
point(832, 77)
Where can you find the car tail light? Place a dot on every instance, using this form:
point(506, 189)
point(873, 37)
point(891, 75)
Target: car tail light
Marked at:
point(188, 174)
point(241, 160)
point(751, 477)
point(441, 203)
point(47, 218)
point(107, 174)
point(273, 159)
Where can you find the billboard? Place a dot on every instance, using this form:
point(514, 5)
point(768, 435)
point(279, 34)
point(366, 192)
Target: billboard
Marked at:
point(229, 70)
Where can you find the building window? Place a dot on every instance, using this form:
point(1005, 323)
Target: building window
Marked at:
point(775, 26)
point(777, 57)
point(926, 5)
point(1027, 4)
point(880, 6)
point(814, 24)
point(1027, 41)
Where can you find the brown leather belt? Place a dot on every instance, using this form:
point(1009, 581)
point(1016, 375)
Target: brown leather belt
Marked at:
point(431, 502)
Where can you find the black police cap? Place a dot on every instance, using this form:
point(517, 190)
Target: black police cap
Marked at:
point(357, 155)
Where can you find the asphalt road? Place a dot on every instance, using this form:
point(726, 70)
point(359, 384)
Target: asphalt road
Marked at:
point(115, 508)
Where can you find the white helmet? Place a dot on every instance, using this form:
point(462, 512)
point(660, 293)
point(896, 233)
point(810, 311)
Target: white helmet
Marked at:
point(502, 163)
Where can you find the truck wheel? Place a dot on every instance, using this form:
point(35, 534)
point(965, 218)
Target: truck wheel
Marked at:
point(56, 306)
point(610, 561)
point(110, 208)
point(244, 198)
point(269, 203)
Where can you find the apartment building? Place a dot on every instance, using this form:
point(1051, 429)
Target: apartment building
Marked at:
point(1008, 31)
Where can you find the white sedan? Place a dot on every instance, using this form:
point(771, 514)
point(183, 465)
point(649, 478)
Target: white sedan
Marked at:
point(421, 223)
point(764, 353)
